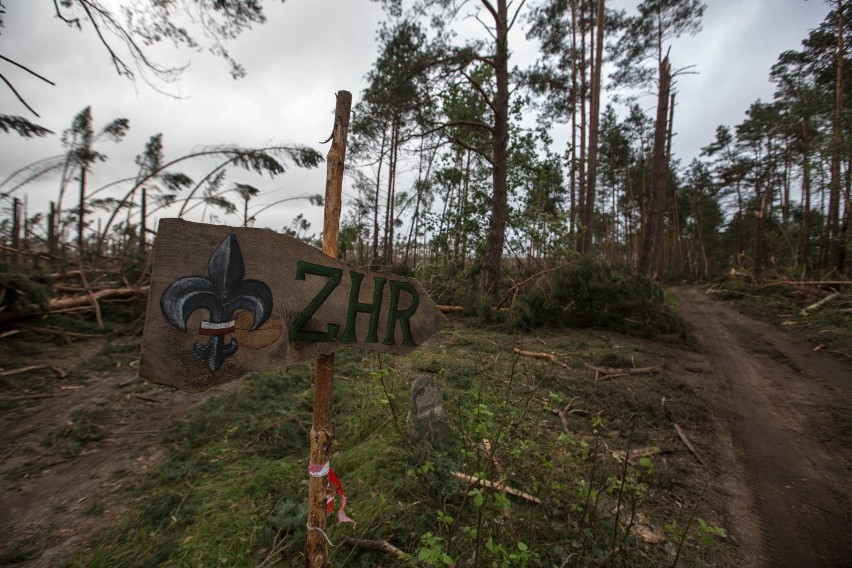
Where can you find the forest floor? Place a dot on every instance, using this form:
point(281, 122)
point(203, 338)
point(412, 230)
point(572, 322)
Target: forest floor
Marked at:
point(774, 436)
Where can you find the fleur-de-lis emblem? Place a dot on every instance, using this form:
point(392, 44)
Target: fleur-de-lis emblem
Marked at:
point(222, 294)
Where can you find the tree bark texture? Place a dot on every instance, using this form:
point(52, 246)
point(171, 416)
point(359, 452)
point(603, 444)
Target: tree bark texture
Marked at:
point(581, 191)
point(805, 242)
point(574, 98)
point(834, 229)
point(316, 546)
point(653, 231)
point(376, 197)
point(594, 121)
point(492, 265)
point(81, 243)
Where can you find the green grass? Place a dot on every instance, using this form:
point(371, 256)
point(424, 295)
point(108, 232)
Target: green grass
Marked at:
point(233, 487)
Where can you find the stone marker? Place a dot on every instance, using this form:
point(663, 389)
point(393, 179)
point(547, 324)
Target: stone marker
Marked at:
point(426, 417)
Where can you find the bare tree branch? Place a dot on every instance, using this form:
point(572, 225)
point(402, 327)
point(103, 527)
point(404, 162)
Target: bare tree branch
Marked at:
point(71, 22)
point(27, 69)
point(20, 98)
point(515, 17)
point(479, 89)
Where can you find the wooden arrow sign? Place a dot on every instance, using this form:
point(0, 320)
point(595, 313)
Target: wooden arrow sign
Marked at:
point(228, 300)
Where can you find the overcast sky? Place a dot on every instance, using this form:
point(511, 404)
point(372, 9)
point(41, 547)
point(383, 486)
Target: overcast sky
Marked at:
point(307, 51)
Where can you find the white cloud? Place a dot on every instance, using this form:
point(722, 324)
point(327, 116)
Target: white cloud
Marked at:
point(306, 51)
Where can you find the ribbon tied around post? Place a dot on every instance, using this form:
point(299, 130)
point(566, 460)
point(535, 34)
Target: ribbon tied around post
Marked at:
point(323, 471)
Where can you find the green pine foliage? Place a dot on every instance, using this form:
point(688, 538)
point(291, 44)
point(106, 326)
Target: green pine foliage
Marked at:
point(589, 293)
point(20, 292)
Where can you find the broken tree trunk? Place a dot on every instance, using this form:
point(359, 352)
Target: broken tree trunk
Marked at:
point(817, 305)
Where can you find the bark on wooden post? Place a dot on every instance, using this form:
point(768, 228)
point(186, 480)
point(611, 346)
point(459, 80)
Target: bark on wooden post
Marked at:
point(316, 546)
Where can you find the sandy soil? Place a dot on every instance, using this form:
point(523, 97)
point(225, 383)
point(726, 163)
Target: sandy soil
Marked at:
point(63, 499)
point(784, 422)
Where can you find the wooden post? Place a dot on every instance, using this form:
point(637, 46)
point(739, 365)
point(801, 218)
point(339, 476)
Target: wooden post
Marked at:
point(316, 546)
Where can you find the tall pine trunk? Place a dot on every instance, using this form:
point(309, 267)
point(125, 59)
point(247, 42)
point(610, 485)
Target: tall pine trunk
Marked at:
point(582, 164)
point(81, 243)
point(653, 232)
point(762, 193)
point(574, 98)
point(805, 242)
point(833, 221)
point(492, 264)
point(143, 219)
point(594, 121)
point(52, 241)
point(391, 197)
point(376, 197)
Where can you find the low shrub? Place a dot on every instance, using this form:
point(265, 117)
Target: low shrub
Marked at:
point(589, 293)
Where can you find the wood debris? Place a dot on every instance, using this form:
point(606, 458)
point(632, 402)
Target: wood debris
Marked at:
point(817, 305)
point(541, 355)
point(569, 409)
point(86, 299)
point(381, 545)
point(30, 368)
point(496, 486)
point(637, 454)
point(688, 444)
point(606, 373)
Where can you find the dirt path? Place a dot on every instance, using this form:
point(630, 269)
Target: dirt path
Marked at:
point(65, 458)
point(784, 414)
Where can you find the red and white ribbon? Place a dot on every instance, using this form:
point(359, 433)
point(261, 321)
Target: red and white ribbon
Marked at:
point(325, 470)
point(215, 328)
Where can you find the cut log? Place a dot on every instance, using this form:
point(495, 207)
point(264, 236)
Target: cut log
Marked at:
point(450, 309)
